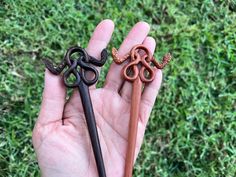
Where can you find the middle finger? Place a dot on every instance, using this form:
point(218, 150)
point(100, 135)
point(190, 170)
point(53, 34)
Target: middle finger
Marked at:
point(136, 36)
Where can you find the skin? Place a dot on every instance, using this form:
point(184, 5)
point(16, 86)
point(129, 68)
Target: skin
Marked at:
point(63, 147)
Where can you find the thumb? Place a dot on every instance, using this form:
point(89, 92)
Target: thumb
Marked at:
point(53, 99)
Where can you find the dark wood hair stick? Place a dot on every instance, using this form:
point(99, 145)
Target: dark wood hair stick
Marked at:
point(86, 63)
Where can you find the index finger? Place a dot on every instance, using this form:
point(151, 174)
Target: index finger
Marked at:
point(100, 39)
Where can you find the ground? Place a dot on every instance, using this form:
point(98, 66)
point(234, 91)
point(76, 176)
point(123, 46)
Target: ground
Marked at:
point(192, 129)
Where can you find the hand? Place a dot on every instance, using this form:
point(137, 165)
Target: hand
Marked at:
point(65, 149)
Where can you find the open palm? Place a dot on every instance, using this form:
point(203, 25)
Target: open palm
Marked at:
point(60, 136)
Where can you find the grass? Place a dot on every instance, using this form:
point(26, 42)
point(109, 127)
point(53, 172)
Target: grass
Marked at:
point(192, 129)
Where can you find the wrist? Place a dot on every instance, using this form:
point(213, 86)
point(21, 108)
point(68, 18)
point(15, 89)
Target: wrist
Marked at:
point(58, 173)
